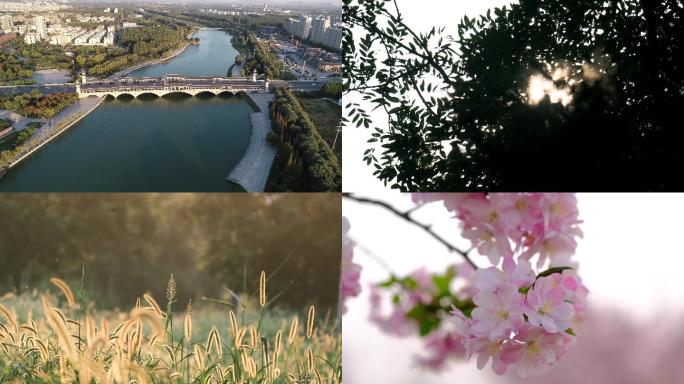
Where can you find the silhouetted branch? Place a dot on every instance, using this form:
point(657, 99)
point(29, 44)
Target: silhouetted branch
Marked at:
point(407, 216)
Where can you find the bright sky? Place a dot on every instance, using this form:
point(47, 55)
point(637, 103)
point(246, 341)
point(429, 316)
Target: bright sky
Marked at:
point(630, 259)
point(421, 16)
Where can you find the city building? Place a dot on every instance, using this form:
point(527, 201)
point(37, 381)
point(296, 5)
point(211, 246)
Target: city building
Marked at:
point(6, 23)
point(318, 28)
point(300, 27)
point(41, 28)
point(31, 38)
point(324, 66)
point(333, 38)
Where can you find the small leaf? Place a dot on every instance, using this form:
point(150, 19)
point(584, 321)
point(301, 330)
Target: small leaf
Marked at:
point(553, 270)
point(569, 331)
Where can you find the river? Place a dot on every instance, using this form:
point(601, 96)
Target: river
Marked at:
point(174, 143)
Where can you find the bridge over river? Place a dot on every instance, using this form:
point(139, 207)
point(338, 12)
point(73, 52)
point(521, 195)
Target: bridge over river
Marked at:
point(160, 86)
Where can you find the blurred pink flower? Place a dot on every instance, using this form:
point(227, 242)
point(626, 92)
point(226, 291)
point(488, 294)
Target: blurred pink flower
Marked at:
point(350, 271)
point(395, 323)
point(545, 304)
point(442, 345)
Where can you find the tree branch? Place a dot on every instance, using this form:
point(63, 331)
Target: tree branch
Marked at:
point(407, 216)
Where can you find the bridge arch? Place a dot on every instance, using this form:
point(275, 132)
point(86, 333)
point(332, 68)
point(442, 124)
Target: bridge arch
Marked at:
point(147, 93)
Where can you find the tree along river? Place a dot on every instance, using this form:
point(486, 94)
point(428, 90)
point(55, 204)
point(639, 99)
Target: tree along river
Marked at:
point(174, 143)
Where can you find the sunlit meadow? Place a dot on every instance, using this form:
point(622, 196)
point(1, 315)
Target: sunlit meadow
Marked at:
point(56, 337)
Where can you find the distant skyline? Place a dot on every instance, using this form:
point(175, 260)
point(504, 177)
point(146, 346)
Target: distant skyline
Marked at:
point(220, 2)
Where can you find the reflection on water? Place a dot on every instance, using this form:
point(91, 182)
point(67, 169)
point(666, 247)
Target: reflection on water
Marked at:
point(211, 57)
point(174, 143)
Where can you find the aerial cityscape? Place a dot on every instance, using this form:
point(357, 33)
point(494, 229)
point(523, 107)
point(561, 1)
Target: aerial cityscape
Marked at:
point(170, 96)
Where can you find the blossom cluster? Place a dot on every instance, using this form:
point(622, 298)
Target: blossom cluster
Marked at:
point(500, 225)
point(350, 271)
point(519, 318)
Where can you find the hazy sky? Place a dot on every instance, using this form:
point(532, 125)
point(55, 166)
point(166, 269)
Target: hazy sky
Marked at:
point(226, 2)
point(630, 259)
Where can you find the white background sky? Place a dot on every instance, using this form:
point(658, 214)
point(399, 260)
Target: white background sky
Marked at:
point(420, 15)
point(631, 259)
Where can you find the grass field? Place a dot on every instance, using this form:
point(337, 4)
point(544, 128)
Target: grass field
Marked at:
point(53, 337)
point(327, 117)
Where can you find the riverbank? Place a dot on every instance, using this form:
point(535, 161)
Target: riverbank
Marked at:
point(60, 123)
point(134, 68)
point(252, 171)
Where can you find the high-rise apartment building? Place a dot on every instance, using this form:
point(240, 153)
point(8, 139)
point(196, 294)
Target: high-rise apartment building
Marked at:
point(333, 38)
point(41, 28)
point(300, 28)
point(318, 28)
point(6, 23)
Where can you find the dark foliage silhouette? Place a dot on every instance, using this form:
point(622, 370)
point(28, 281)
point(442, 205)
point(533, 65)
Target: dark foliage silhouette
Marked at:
point(539, 95)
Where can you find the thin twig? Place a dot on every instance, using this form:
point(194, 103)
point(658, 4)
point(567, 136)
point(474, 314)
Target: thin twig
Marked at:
point(407, 216)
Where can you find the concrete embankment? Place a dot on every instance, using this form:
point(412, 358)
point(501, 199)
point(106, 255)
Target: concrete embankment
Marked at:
point(252, 171)
point(62, 122)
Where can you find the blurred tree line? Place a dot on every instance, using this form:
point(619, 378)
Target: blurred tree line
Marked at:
point(131, 243)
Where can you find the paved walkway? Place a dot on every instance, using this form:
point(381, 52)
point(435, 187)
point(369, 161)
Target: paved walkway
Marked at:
point(19, 122)
point(252, 171)
point(71, 114)
point(81, 106)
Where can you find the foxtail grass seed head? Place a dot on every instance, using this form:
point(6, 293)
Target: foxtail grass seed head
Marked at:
point(276, 348)
point(153, 304)
point(309, 359)
point(310, 322)
point(293, 330)
point(319, 379)
point(233, 325)
point(171, 289)
point(187, 323)
point(253, 336)
point(64, 287)
point(64, 349)
point(262, 289)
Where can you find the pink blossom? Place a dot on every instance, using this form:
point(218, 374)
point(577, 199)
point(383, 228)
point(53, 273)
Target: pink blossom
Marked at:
point(490, 279)
point(486, 350)
point(425, 287)
point(517, 210)
point(489, 242)
point(575, 292)
point(350, 271)
point(559, 210)
point(396, 322)
point(443, 345)
point(533, 349)
point(545, 304)
point(555, 247)
point(497, 314)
